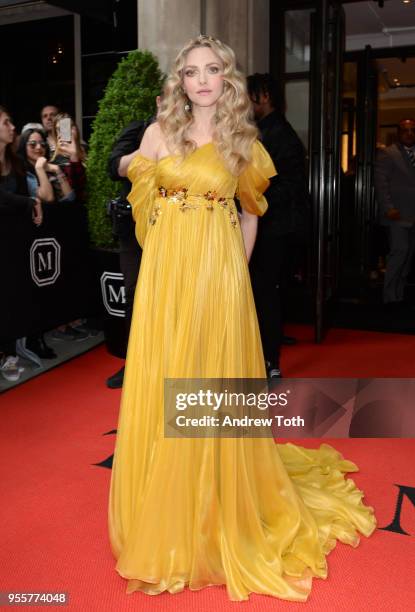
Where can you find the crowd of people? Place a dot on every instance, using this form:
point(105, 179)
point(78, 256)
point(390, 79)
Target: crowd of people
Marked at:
point(38, 167)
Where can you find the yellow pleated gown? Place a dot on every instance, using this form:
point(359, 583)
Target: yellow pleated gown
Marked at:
point(248, 513)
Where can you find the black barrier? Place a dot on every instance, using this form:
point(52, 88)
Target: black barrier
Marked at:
point(108, 276)
point(47, 273)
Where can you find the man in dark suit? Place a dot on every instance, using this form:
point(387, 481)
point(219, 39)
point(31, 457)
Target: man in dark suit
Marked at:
point(285, 220)
point(395, 193)
point(124, 228)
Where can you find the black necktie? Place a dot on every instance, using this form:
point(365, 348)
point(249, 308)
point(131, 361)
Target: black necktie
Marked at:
point(411, 155)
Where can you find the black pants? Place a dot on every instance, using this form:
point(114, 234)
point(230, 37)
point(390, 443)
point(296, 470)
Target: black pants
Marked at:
point(399, 261)
point(269, 268)
point(130, 259)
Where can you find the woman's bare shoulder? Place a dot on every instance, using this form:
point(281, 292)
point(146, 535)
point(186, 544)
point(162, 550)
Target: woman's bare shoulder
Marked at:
point(152, 141)
point(154, 130)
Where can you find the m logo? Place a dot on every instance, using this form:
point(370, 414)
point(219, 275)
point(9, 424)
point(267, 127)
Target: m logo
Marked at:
point(45, 261)
point(113, 293)
point(395, 525)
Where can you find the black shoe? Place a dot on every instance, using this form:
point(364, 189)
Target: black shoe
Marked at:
point(288, 340)
point(116, 380)
point(69, 334)
point(84, 329)
point(37, 345)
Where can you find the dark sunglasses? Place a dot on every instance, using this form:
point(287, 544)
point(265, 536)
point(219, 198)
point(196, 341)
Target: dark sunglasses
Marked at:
point(34, 143)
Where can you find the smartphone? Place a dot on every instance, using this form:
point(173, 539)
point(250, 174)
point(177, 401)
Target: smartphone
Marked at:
point(65, 131)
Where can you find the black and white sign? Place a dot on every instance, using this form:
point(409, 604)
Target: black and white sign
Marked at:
point(45, 261)
point(48, 272)
point(113, 293)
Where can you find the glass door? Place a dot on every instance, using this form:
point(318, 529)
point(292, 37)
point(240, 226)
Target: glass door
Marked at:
point(307, 45)
point(366, 138)
point(327, 46)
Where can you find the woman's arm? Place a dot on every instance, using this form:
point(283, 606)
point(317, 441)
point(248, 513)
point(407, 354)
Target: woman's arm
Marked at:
point(125, 162)
point(128, 142)
point(249, 226)
point(37, 214)
point(148, 148)
point(76, 176)
point(64, 184)
point(44, 191)
point(74, 172)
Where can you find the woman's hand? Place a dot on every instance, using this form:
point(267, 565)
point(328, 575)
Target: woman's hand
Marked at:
point(37, 214)
point(44, 191)
point(68, 149)
point(41, 163)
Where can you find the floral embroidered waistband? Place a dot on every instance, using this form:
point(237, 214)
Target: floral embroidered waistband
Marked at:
point(188, 201)
point(181, 194)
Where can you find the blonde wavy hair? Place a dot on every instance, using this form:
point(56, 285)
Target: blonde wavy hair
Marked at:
point(234, 132)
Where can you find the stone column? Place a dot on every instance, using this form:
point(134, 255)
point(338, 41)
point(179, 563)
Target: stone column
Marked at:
point(258, 36)
point(229, 21)
point(165, 25)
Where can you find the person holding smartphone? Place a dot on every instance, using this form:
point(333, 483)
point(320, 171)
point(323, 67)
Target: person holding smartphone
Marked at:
point(44, 179)
point(69, 158)
point(70, 153)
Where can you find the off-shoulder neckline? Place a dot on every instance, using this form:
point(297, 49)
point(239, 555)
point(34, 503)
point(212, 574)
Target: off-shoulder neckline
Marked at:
point(158, 161)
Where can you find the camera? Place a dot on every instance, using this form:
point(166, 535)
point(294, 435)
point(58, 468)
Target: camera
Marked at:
point(119, 209)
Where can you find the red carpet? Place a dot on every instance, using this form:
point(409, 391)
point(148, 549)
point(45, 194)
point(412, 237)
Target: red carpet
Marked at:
point(348, 353)
point(54, 499)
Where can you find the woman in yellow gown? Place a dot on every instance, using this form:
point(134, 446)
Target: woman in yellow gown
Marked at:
point(244, 512)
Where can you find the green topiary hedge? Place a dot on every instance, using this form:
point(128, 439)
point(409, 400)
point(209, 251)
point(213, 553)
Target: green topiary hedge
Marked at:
point(130, 95)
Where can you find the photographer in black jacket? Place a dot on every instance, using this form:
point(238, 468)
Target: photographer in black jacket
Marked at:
point(286, 221)
point(124, 227)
